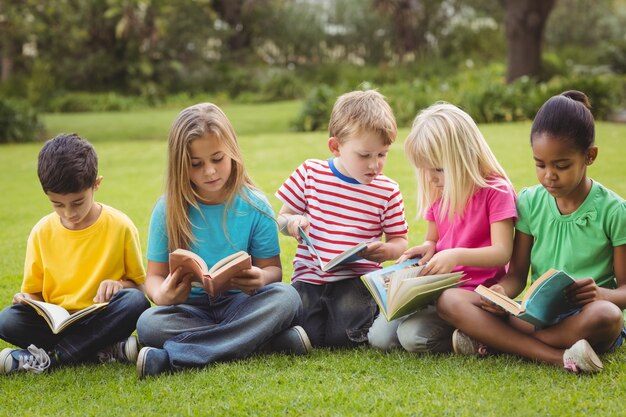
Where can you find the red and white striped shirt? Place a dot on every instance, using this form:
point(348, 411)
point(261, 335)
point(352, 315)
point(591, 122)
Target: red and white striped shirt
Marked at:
point(341, 213)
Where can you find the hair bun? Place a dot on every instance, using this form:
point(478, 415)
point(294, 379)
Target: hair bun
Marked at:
point(577, 96)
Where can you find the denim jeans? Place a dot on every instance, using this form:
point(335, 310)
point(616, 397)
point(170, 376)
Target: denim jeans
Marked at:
point(226, 327)
point(22, 326)
point(421, 332)
point(337, 314)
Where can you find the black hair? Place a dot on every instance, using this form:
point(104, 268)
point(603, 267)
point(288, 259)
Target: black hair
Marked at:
point(566, 117)
point(67, 164)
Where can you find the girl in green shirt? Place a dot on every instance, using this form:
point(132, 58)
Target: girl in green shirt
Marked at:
point(569, 222)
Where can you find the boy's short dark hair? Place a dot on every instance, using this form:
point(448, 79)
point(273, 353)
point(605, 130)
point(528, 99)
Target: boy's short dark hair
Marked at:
point(67, 164)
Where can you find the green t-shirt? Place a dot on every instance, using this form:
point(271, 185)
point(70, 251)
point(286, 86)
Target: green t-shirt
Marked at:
point(580, 243)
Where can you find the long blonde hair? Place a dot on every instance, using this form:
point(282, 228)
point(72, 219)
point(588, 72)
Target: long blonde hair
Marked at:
point(444, 136)
point(192, 123)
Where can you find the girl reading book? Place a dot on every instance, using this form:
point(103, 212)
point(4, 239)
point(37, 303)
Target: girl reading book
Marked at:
point(568, 222)
point(212, 208)
point(469, 204)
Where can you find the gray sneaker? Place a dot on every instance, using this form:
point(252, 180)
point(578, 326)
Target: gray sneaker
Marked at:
point(123, 351)
point(32, 359)
point(580, 357)
point(293, 341)
point(462, 344)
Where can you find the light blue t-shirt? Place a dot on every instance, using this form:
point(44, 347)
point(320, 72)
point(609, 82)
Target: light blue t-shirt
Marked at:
point(248, 228)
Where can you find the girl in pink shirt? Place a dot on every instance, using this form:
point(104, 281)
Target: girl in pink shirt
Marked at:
point(469, 204)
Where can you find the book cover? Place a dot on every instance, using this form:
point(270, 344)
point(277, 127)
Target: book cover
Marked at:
point(347, 256)
point(57, 317)
point(216, 279)
point(399, 289)
point(543, 302)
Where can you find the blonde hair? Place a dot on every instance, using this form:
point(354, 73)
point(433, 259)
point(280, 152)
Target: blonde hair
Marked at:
point(192, 123)
point(360, 111)
point(444, 136)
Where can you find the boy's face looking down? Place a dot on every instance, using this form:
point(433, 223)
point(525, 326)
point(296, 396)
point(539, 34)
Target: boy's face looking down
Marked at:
point(76, 210)
point(361, 156)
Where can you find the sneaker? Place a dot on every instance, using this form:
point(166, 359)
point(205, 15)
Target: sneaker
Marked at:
point(123, 351)
point(293, 341)
point(152, 361)
point(580, 357)
point(462, 344)
point(32, 359)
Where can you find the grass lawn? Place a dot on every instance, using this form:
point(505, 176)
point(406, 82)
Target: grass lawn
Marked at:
point(131, 147)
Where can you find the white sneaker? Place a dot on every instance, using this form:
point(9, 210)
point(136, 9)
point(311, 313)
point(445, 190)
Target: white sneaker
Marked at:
point(580, 357)
point(32, 359)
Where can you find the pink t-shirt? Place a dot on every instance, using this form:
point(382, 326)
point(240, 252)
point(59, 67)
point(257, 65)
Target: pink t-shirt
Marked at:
point(473, 229)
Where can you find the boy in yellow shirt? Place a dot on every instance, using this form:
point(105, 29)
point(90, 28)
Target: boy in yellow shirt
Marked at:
point(83, 253)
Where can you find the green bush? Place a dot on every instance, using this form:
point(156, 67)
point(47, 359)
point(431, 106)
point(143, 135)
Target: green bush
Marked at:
point(483, 94)
point(315, 110)
point(19, 122)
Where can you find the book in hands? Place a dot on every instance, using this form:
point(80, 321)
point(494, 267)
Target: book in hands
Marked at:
point(351, 254)
point(59, 318)
point(216, 279)
point(543, 302)
point(399, 289)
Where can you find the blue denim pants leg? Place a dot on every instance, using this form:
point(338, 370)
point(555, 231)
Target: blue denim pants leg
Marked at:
point(22, 326)
point(227, 327)
point(337, 314)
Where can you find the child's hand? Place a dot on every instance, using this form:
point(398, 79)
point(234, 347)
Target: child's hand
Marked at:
point(19, 297)
point(295, 221)
point(440, 263)
point(491, 307)
point(175, 288)
point(249, 280)
point(107, 288)
point(425, 251)
point(583, 291)
point(376, 252)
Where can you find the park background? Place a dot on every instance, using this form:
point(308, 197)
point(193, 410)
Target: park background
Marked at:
point(118, 71)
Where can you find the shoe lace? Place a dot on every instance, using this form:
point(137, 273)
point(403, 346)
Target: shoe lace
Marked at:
point(570, 365)
point(111, 353)
point(36, 361)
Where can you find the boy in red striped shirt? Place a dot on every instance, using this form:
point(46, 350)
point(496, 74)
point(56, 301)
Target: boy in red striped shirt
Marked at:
point(339, 203)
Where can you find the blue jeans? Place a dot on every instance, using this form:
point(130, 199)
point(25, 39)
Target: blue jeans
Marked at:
point(226, 327)
point(20, 325)
point(337, 314)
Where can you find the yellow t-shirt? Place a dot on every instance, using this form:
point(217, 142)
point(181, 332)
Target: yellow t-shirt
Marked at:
point(67, 266)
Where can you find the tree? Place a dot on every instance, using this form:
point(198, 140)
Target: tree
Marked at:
point(525, 21)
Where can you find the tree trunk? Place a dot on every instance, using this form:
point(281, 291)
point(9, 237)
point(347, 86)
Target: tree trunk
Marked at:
point(6, 66)
point(525, 21)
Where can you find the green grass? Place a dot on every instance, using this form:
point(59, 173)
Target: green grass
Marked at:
point(131, 147)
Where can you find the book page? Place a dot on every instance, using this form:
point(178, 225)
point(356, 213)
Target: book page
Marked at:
point(52, 313)
point(410, 288)
point(189, 261)
point(225, 261)
point(501, 300)
point(418, 299)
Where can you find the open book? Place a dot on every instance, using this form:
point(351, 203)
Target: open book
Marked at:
point(216, 279)
point(347, 256)
point(399, 289)
point(542, 303)
point(59, 318)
